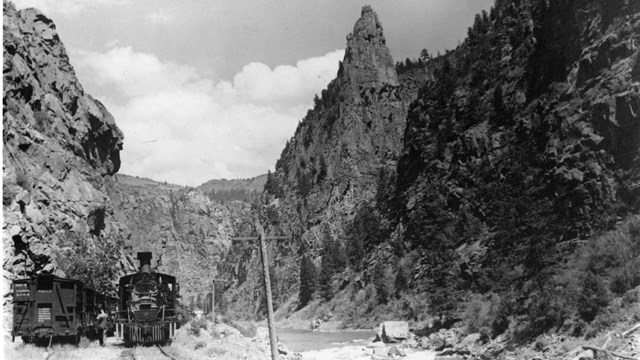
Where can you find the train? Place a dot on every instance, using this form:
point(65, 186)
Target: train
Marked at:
point(48, 307)
point(149, 306)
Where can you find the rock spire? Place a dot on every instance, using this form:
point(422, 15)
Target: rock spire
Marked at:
point(367, 61)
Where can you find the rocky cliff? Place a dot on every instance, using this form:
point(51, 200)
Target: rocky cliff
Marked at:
point(61, 148)
point(187, 232)
point(65, 210)
point(525, 144)
point(333, 163)
point(517, 150)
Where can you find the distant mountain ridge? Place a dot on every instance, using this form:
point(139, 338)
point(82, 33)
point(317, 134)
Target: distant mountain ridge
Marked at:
point(250, 184)
point(246, 190)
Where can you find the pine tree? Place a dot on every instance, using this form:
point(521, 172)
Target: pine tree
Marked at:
point(424, 55)
point(499, 109)
point(333, 261)
point(307, 280)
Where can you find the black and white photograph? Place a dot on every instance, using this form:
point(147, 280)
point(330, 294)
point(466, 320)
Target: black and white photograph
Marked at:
point(321, 180)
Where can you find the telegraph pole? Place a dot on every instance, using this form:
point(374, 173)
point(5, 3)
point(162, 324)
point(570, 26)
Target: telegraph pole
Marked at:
point(213, 297)
point(267, 281)
point(267, 288)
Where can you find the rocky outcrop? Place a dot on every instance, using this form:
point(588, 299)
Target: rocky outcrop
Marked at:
point(526, 142)
point(331, 165)
point(187, 233)
point(60, 150)
point(63, 203)
point(367, 61)
point(521, 143)
point(42, 93)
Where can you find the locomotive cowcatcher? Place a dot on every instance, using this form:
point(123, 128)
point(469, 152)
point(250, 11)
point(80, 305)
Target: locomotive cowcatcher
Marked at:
point(47, 306)
point(148, 303)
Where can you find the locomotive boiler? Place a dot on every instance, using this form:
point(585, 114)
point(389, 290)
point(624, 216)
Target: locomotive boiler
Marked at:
point(148, 304)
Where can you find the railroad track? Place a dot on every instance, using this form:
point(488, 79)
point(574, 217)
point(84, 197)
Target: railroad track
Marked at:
point(128, 354)
point(165, 353)
point(136, 354)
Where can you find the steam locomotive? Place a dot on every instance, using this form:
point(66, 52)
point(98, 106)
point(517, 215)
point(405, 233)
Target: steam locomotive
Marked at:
point(148, 306)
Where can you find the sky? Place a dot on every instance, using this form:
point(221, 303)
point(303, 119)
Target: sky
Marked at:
point(211, 89)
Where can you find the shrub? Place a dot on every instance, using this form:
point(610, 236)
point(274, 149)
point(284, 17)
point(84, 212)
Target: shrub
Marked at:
point(384, 281)
point(363, 234)
point(410, 306)
point(96, 220)
point(273, 185)
point(404, 275)
point(307, 281)
point(247, 329)
point(304, 183)
point(216, 351)
point(485, 315)
point(197, 325)
point(608, 264)
point(96, 264)
point(593, 297)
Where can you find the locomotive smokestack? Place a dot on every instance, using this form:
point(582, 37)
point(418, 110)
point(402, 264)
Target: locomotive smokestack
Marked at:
point(145, 261)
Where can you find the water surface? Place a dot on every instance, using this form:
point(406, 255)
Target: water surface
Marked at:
point(298, 340)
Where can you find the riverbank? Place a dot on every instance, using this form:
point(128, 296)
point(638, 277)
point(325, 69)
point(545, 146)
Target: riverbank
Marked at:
point(365, 353)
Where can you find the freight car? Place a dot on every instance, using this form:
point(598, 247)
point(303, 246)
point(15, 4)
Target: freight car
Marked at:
point(148, 304)
point(47, 307)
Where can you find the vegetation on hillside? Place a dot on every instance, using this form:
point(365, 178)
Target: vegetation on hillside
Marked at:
point(513, 207)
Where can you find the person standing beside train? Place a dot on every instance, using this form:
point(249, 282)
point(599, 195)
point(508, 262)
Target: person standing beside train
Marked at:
point(102, 326)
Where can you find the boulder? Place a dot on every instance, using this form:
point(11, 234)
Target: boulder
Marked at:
point(435, 341)
point(448, 357)
point(472, 342)
point(395, 352)
point(585, 355)
point(393, 331)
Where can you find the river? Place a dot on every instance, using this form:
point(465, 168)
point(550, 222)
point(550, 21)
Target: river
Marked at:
point(298, 340)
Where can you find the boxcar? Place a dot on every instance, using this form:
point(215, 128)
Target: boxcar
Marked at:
point(47, 307)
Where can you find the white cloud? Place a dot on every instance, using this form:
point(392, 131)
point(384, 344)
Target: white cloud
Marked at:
point(286, 84)
point(161, 17)
point(66, 7)
point(135, 74)
point(185, 128)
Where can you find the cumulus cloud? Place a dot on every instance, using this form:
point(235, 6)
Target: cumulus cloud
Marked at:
point(185, 128)
point(286, 84)
point(135, 74)
point(66, 7)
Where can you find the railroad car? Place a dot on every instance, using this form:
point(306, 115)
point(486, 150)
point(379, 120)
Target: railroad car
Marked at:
point(47, 307)
point(148, 304)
